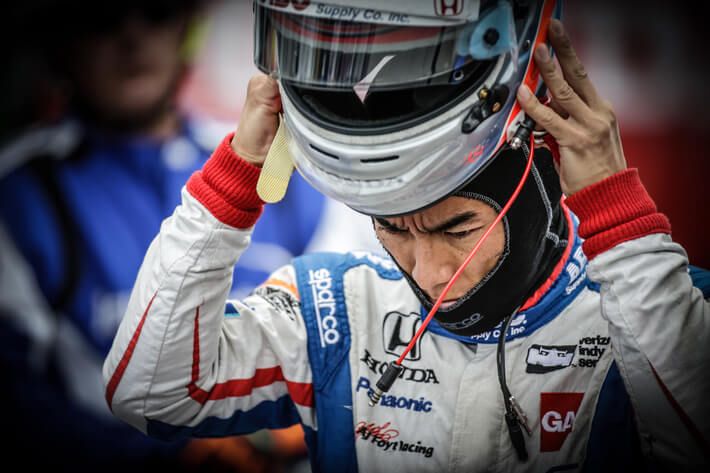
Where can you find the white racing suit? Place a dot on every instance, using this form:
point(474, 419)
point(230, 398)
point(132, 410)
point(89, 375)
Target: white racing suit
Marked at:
point(610, 364)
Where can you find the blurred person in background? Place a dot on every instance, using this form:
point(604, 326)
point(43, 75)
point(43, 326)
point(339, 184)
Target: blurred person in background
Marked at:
point(93, 182)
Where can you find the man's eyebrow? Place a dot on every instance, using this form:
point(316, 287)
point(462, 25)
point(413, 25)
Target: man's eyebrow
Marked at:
point(454, 222)
point(386, 224)
point(442, 227)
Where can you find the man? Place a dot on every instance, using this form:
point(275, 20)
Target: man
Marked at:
point(536, 359)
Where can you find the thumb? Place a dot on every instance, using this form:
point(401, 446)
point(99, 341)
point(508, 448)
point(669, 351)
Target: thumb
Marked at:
point(259, 119)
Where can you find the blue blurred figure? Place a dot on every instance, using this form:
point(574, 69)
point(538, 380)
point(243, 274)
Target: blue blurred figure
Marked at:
point(83, 209)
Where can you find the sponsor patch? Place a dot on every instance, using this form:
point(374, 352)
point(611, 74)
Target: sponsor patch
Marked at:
point(398, 330)
point(517, 327)
point(281, 300)
point(324, 300)
point(586, 354)
point(546, 358)
point(415, 13)
point(289, 287)
point(448, 7)
point(591, 350)
point(469, 321)
point(385, 436)
point(417, 375)
point(558, 412)
point(393, 401)
point(576, 270)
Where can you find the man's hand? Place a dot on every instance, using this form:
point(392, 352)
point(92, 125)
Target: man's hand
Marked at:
point(583, 124)
point(259, 120)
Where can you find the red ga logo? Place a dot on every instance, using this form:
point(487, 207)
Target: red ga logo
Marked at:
point(448, 7)
point(552, 421)
point(558, 412)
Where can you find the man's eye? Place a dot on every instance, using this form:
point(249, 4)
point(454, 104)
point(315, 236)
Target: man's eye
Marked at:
point(461, 234)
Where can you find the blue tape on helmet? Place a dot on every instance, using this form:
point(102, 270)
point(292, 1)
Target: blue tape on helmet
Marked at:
point(492, 35)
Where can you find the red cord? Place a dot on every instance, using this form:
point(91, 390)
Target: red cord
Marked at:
point(470, 256)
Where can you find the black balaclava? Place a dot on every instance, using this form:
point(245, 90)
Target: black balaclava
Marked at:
point(535, 239)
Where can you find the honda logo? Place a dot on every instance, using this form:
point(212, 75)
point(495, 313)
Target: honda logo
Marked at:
point(398, 330)
point(448, 7)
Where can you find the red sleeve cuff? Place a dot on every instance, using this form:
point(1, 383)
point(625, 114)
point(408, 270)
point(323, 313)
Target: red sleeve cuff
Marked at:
point(615, 210)
point(226, 186)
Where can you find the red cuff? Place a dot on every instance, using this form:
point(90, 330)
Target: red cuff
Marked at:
point(615, 210)
point(226, 186)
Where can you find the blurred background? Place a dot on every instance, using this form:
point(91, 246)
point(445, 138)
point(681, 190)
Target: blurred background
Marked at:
point(648, 58)
point(159, 83)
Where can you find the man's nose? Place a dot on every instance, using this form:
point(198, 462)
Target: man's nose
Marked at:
point(433, 266)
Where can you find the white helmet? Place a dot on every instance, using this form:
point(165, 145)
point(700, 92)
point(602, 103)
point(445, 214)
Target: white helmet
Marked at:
point(393, 106)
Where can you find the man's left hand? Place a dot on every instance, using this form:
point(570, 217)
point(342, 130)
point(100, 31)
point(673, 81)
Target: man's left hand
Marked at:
point(583, 124)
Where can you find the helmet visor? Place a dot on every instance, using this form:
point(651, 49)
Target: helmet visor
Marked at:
point(319, 51)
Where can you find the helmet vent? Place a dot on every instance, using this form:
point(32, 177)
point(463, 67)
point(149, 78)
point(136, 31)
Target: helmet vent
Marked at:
point(379, 160)
point(324, 153)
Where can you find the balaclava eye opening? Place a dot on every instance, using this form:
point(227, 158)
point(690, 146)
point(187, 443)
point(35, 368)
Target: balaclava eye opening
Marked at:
point(535, 239)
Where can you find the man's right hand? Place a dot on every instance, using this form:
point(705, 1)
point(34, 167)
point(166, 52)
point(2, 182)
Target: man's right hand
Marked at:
point(259, 120)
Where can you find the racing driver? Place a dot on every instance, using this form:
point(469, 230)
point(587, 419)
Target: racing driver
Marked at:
point(532, 312)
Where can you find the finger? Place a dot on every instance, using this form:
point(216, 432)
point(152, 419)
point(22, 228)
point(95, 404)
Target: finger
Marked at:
point(544, 116)
point(572, 68)
point(264, 90)
point(563, 93)
point(557, 109)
